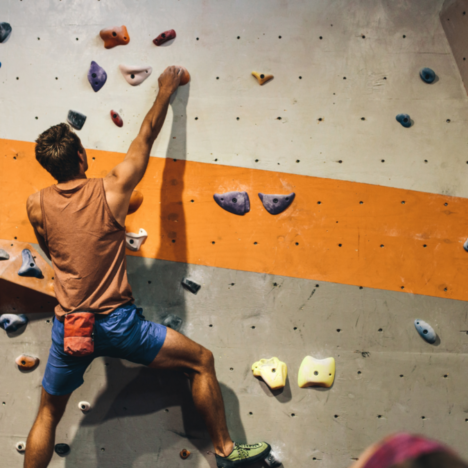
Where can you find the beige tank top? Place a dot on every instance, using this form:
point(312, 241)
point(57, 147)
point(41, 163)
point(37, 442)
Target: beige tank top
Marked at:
point(87, 248)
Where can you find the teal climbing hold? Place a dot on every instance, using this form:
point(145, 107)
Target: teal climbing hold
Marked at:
point(404, 119)
point(426, 331)
point(29, 267)
point(5, 31)
point(62, 449)
point(427, 75)
point(4, 255)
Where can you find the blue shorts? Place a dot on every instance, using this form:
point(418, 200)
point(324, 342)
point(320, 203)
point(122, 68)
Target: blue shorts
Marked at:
point(123, 334)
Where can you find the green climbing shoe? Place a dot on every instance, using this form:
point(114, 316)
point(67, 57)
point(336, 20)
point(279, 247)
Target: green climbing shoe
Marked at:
point(243, 454)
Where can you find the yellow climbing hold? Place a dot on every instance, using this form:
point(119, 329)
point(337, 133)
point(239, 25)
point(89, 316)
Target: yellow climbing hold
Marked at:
point(272, 371)
point(316, 372)
point(262, 78)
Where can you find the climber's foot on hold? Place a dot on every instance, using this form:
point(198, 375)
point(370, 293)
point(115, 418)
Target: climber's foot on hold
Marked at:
point(243, 455)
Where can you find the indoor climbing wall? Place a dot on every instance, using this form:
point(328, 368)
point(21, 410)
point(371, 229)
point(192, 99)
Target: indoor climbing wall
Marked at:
point(347, 163)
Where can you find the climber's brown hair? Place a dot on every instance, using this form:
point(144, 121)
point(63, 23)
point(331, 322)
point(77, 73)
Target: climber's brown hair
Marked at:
point(57, 152)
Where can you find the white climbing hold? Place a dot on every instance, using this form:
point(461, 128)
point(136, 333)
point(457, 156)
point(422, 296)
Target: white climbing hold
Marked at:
point(135, 241)
point(135, 75)
point(21, 446)
point(84, 406)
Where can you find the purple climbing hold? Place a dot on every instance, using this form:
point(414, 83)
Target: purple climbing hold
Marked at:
point(276, 204)
point(12, 322)
point(235, 202)
point(97, 76)
point(29, 267)
point(5, 31)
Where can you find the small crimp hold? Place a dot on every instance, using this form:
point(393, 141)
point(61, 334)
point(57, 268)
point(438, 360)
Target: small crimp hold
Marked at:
point(115, 36)
point(4, 255)
point(427, 75)
point(21, 446)
point(135, 241)
point(272, 371)
point(26, 362)
point(276, 204)
point(116, 118)
point(84, 406)
point(135, 75)
point(29, 267)
point(62, 449)
point(76, 119)
point(185, 76)
point(262, 78)
point(404, 119)
point(272, 461)
point(172, 321)
point(184, 454)
point(164, 37)
point(13, 322)
point(97, 76)
point(191, 285)
point(136, 199)
point(5, 31)
point(316, 372)
point(235, 202)
point(426, 331)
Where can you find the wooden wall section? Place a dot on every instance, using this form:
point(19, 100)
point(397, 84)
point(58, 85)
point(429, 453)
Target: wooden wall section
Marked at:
point(338, 231)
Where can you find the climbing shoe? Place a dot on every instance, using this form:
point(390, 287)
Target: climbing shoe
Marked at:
point(243, 454)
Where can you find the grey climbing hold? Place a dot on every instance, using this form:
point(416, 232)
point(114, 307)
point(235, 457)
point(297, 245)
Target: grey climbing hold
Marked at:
point(5, 31)
point(62, 449)
point(404, 119)
point(13, 322)
point(276, 204)
point(4, 255)
point(172, 321)
point(235, 202)
point(191, 285)
point(465, 245)
point(97, 76)
point(76, 119)
point(29, 267)
point(272, 461)
point(427, 75)
point(426, 331)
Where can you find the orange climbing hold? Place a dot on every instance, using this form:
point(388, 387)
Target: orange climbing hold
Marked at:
point(115, 36)
point(262, 78)
point(185, 76)
point(184, 454)
point(26, 362)
point(135, 202)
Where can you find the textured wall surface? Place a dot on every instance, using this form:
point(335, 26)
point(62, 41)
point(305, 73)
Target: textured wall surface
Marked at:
point(343, 70)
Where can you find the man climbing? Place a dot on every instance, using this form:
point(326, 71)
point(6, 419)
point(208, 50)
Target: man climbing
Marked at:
point(80, 225)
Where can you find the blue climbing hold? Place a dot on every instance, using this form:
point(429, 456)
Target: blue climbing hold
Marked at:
point(276, 204)
point(427, 75)
point(5, 31)
point(29, 267)
point(76, 120)
point(235, 202)
point(425, 330)
point(12, 322)
point(404, 119)
point(172, 321)
point(97, 76)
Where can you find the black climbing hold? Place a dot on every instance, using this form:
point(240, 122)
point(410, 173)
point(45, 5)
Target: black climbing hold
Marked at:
point(76, 120)
point(404, 119)
point(97, 76)
point(4, 255)
point(13, 322)
point(426, 331)
point(235, 202)
point(276, 204)
point(62, 449)
point(191, 285)
point(29, 267)
point(427, 75)
point(272, 461)
point(465, 245)
point(5, 31)
point(172, 321)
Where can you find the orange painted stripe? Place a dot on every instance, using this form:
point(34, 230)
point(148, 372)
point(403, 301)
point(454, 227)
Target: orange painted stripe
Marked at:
point(398, 240)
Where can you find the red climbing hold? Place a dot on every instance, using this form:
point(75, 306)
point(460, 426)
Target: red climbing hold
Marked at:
point(184, 77)
point(115, 36)
point(116, 118)
point(164, 37)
